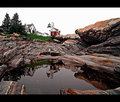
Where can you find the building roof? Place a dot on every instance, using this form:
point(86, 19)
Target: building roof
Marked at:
point(54, 29)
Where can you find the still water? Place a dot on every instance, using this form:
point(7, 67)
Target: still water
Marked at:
point(48, 79)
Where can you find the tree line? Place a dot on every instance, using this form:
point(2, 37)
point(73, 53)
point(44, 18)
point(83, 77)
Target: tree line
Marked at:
point(13, 25)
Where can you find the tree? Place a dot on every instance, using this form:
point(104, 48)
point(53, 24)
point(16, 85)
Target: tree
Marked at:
point(6, 23)
point(1, 29)
point(16, 25)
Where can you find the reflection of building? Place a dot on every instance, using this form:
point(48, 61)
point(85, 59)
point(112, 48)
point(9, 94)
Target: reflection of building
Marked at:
point(53, 69)
point(29, 71)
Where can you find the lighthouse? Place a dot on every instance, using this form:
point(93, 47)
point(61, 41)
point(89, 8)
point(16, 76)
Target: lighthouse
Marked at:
point(53, 31)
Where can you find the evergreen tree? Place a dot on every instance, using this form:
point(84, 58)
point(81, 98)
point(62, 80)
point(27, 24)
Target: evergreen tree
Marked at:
point(1, 29)
point(16, 25)
point(6, 23)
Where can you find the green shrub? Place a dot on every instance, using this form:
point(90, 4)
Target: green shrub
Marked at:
point(8, 36)
point(53, 37)
point(41, 38)
point(22, 36)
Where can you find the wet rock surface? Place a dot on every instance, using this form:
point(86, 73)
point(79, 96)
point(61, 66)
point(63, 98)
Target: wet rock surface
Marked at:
point(90, 92)
point(11, 88)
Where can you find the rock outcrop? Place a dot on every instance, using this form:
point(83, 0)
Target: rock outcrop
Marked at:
point(102, 37)
point(62, 38)
point(12, 88)
point(99, 62)
point(70, 91)
point(16, 51)
point(110, 46)
point(100, 31)
point(68, 36)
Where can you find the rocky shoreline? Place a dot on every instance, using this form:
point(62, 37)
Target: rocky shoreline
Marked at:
point(102, 56)
point(12, 88)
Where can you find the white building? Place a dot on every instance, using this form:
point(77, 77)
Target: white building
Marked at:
point(30, 28)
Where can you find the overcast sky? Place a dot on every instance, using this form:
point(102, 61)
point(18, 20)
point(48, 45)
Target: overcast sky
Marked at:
point(67, 20)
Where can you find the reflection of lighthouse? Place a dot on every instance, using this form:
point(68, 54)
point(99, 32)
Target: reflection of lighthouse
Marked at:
point(30, 71)
point(53, 69)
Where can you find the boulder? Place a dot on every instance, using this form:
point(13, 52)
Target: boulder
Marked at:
point(99, 62)
point(63, 38)
point(55, 40)
point(110, 46)
point(100, 31)
point(9, 54)
point(27, 61)
point(69, 42)
point(68, 36)
point(16, 62)
point(16, 34)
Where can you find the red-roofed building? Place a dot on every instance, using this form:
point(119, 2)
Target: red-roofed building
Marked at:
point(53, 31)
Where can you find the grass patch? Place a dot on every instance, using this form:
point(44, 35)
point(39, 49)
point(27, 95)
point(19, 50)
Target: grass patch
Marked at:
point(22, 36)
point(34, 36)
point(32, 65)
point(39, 37)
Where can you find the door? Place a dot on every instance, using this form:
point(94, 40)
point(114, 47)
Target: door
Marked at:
point(51, 33)
point(55, 33)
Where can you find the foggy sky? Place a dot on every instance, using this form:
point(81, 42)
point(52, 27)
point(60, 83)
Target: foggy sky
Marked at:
point(65, 19)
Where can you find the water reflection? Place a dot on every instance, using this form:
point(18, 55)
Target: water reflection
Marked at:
point(100, 80)
point(53, 69)
point(16, 74)
point(96, 78)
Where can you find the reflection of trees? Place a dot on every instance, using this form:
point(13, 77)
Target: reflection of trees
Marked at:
point(99, 79)
point(15, 75)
